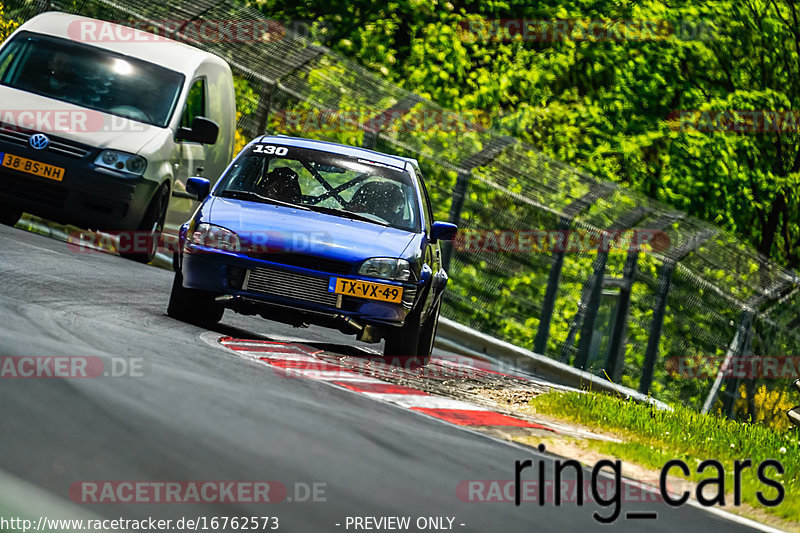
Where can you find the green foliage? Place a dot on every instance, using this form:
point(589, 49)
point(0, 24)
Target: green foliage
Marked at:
point(609, 106)
point(7, 25)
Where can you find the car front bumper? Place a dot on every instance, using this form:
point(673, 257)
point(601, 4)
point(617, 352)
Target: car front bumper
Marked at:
point(86, 195)
point(254, 284)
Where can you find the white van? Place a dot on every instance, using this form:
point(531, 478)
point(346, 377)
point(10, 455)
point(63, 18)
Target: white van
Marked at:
point(101, 125)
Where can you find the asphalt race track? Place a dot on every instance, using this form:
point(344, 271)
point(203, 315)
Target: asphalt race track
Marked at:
point(199, 413)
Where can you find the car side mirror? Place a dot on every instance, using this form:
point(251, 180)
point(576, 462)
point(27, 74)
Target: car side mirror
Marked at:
point(198, 188)
point(444, 231)
point(203, 131)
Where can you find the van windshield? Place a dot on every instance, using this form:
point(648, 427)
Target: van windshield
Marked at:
point(90, 77)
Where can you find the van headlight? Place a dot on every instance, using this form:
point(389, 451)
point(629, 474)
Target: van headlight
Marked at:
point(386, 268)
point(216, 237)
point(122, 161)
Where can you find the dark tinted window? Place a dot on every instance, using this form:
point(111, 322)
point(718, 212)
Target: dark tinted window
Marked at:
point(91, 77)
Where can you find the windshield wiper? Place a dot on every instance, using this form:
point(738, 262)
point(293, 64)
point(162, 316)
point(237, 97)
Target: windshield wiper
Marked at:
point(255, 197)
point(347, 214)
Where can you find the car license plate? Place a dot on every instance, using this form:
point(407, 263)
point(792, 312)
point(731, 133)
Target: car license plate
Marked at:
point(29, 166)
point(366, 289)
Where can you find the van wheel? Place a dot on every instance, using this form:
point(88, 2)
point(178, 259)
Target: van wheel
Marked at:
point(9, 215)
point(153, 224)
point(193, 306)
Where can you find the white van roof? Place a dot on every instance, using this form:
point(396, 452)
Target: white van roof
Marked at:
point(165, 52)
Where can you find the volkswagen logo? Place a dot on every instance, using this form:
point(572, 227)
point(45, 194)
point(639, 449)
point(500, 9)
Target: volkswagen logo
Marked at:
point(39, 141)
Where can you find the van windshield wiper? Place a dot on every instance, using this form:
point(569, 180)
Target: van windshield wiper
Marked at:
point(347, 214)
point(255, 197)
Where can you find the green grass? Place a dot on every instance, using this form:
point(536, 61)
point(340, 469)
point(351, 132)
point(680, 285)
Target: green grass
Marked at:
point(652, 437)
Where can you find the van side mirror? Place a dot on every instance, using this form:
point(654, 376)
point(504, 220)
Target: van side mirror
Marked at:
point(203, 131)
point(198, 188)
point(444, 231)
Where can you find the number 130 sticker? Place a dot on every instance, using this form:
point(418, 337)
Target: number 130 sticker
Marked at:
point(269, 149)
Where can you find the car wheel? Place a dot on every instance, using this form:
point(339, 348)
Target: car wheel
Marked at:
point(9, 215)
point(402, 343)
point(153, 223)
point(428, 335)
point(193, 306)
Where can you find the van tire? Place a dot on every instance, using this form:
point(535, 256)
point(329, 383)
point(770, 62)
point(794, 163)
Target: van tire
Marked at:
point(152, 222)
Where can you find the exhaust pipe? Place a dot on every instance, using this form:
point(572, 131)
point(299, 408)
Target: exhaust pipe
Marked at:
point(364, 333)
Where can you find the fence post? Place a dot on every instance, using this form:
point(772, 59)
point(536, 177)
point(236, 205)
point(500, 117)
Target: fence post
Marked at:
point(262, 111)
point(592, 305)
point(616, 348)
point(650, 355)
point(554, 278)
point(732, 383)
point(480, 158)
point(457, 204)
point(734, 348)
point(664, 280)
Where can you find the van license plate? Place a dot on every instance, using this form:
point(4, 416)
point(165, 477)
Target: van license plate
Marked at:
point(29, 166)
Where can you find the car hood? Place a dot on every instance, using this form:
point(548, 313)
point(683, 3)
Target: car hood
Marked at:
point(286, 229)
point(68, 121)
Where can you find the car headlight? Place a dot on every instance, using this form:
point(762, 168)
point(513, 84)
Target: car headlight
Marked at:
point(216, 237)
point(386, 268)
point(121, 161)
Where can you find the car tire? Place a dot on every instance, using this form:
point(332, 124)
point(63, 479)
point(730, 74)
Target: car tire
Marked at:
point(402, 343)
point(193, 306)
point(9, 215)
point(427, 335)
point(152, 222)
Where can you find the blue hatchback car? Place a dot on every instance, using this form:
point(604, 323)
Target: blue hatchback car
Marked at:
point(310, 232)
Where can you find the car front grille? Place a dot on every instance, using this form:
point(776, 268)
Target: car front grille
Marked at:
point(290, 285)
point(16, 135)
point(310, 262)
point(34, 189)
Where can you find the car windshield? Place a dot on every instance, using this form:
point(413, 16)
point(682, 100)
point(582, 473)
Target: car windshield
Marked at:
point(90, 77)
point(349, 187)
